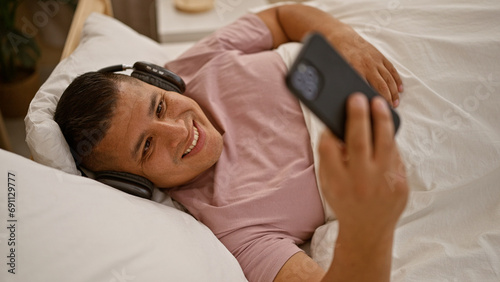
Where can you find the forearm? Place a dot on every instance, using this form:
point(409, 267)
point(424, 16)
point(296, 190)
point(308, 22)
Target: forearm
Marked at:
point(361, 257)
point(292, 22)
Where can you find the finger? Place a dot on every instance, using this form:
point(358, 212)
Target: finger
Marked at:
point(331, 166)
point(395, 75)
point(383, 129)
point(358, 129)
point(391, 83)
point(343, 150)
point(330, 151)
point(378, 82)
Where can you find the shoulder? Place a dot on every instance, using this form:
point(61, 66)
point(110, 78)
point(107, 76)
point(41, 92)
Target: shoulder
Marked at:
point(248, 34)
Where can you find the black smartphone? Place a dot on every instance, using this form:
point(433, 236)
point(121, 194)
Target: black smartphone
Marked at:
point(323, 80)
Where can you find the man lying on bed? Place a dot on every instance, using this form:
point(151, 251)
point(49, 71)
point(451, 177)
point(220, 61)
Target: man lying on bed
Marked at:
point(239, 158)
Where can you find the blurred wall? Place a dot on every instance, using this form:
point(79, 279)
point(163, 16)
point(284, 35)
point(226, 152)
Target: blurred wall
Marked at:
point(49, 22)
point(138, 14)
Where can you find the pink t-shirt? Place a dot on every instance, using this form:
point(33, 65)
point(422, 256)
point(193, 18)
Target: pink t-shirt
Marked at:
point(261, 197)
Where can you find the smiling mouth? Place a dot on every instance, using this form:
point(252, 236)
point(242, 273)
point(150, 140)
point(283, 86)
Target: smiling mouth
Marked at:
point(195, 141)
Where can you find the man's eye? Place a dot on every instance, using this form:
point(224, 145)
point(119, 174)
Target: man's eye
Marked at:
point(159, 109)
point(147, 144)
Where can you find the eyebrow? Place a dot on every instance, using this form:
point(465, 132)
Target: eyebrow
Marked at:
point(151, 111)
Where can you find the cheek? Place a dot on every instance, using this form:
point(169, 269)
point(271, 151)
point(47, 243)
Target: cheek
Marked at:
point(160, 161)
point(216, 144)
point(163, 172)
point(157, 165)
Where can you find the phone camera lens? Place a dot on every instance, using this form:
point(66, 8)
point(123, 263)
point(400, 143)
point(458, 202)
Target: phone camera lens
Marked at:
point(306, 80)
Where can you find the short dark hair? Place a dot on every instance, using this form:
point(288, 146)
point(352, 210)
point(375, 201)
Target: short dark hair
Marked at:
point(84, 113)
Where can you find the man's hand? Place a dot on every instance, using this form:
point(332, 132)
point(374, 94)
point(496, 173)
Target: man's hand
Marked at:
point(364, 180)
point(369, 62)
point(365, 184)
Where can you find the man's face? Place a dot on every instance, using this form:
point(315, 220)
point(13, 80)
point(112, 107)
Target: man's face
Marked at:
point(161, 135)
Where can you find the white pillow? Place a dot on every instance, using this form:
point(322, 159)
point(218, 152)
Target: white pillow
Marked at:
point(76, 229)
point(62, 227)
point(105, 41)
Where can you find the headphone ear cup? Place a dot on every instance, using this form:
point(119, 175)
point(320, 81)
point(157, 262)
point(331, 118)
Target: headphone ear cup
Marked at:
point(158, 76)
point(129, 183)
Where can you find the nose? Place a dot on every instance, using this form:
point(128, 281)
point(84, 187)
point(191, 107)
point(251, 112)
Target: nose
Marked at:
point(172, 131)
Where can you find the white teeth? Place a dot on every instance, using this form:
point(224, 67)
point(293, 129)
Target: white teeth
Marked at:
point(195, 141)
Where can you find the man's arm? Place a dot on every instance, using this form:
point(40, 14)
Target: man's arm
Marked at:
point(292, 22)
point(364, 183)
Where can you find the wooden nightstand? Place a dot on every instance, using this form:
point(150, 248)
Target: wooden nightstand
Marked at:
point(177, 26)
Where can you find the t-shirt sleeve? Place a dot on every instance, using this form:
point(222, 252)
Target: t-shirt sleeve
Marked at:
point(249, 34)
point(261, 256)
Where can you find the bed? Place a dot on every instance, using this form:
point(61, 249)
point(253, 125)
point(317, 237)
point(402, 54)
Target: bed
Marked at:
point(59, 226)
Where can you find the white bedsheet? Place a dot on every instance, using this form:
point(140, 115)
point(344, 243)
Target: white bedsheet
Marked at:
point(447, 53)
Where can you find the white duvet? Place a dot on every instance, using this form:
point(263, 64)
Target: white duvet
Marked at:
point(447, 53)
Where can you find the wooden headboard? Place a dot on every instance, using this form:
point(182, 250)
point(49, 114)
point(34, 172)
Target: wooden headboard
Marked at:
point(83, 10)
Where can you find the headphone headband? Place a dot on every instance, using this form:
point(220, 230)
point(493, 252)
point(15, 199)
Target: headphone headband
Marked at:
point(115, 68)
point(152, 74)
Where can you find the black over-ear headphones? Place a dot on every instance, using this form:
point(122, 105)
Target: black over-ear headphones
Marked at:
point(156, 76)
